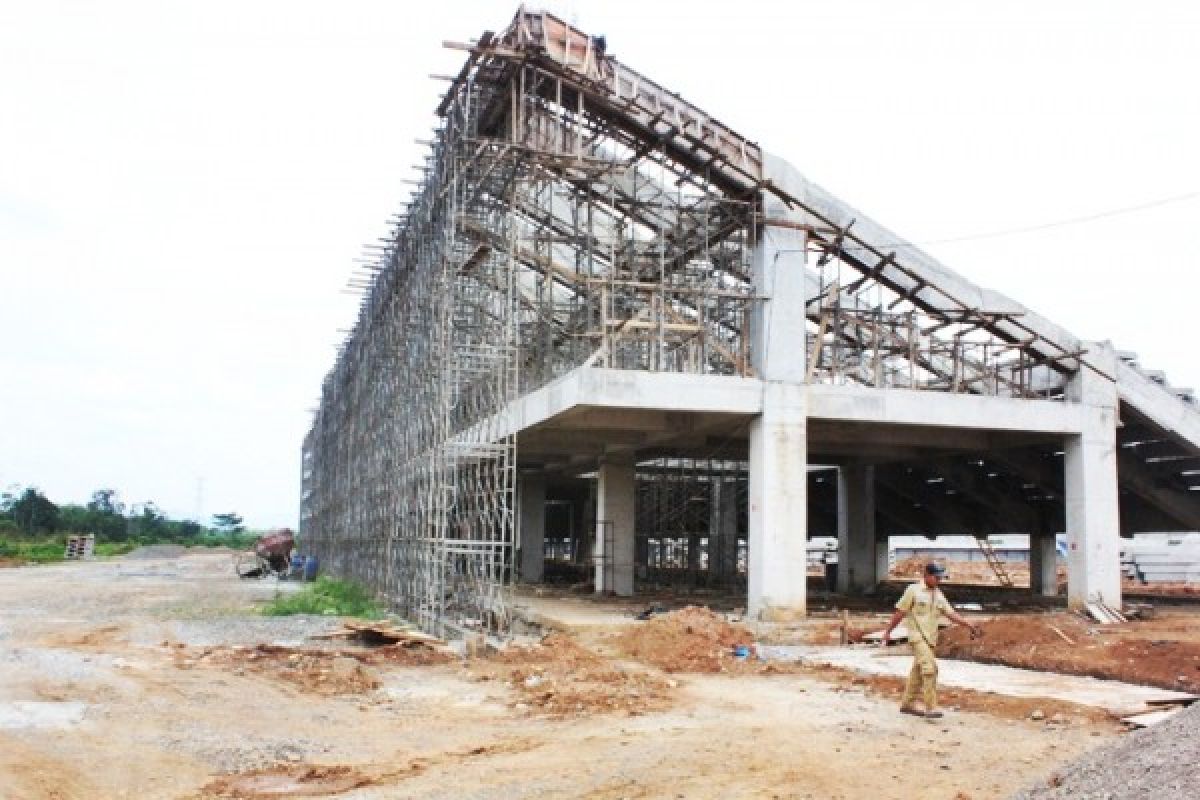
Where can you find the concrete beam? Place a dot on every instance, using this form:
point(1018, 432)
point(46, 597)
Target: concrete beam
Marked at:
point(1156, 404)
point(942, 410)
point(930, 283)
point(1179, 505)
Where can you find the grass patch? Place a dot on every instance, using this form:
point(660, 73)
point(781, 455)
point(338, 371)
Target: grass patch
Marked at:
point(43, 552)
point(115, 548)
point(52, 550)
point(327, 596)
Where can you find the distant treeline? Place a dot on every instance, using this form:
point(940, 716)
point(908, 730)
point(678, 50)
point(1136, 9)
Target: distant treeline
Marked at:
point(28, 513)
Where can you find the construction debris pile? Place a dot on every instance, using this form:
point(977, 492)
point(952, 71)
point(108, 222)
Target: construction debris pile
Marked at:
point(560, 677)
point(692, 639)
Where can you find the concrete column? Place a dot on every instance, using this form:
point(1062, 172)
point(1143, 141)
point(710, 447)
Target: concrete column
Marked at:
point(778, 524)
point(778, 325)
point(729, 529)
point(883, 558)
point(1090, 481)
point(722, 530)
point(714, 527)
point(777, 558)
point(693, 556)
point(857, 562)
point(1043, 565)
point(615, 497)
point(531, 502)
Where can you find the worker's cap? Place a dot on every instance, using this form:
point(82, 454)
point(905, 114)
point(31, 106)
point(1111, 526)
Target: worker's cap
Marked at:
point(935, 569)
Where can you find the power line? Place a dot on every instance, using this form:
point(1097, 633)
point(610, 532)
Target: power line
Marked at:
point(1116, 212)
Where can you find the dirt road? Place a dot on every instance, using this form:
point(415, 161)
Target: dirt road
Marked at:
point(106, 691)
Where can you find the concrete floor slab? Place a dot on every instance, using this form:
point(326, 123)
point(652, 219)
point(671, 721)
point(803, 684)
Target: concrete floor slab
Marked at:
point(573, 614)
point(1113, 696)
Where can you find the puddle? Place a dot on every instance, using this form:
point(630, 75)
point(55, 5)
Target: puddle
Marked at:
point(38, 714)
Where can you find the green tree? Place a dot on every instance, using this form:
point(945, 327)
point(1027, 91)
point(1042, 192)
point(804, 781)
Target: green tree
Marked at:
point(106, 501)
point(106, 516)
point(34, 513)
point(8, 498)
point(75, 518)
point(147, 522)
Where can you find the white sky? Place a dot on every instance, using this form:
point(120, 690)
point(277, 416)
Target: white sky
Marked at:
point(184, 185)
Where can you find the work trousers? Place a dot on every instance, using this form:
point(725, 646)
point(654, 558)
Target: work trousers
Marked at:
point(923, 675)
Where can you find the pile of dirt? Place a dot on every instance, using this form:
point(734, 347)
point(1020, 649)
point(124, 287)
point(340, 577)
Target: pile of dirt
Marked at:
point(1176, 589)
point(1115, 652)
point(692, 639)
point(286, 781)
point(559, 677)
point(321, 671)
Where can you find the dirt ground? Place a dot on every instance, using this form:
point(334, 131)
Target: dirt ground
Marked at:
point(968, 573)
point(1163, 651)
point(156, 679)
point(979, 573)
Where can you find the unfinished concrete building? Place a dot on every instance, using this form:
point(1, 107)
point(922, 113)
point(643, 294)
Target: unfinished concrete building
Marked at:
point(610, 333)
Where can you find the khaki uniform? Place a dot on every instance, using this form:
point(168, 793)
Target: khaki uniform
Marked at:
point(923, 609)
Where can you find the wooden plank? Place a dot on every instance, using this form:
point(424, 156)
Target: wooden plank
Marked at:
point(1151, 717)
point(1062, 635)
point(1182, 700)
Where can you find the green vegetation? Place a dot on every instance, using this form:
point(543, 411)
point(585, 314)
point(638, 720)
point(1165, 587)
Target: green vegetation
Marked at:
point(326, 596)
point(34, 529)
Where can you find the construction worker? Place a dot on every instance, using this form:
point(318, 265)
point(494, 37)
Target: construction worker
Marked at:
point(921, 605)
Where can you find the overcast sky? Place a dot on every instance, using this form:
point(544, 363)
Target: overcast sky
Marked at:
point(184, 187)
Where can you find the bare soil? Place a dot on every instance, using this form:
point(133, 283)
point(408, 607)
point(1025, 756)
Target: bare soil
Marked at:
point(968, 573)
point(560, 677)
point(979, 573)
point(1165, 590)
point(318, 670)
point(1163, 652)
point(302, 781)
point(692, 639)
point(240, 706)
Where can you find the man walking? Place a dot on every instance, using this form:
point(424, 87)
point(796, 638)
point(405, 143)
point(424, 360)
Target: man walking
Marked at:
point(921, 605)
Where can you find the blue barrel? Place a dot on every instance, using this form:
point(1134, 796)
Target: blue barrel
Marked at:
point(310, 568)
point(297, 562)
